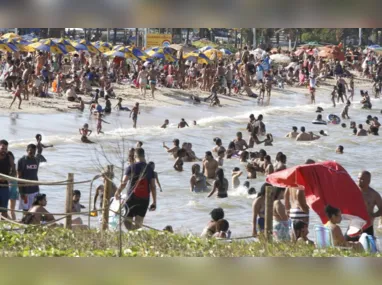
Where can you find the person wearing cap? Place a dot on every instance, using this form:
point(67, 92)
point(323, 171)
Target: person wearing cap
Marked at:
point(210, 165)
point(174, 149)
point(182, 124)
point(216, 215)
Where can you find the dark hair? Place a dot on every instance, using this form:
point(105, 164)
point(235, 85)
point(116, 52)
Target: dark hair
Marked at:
point(141, 143)
point(176, 142)
point(239, 134)
point(217, 141)
point(262, 189)
point(294, 128)
point(298, 225)
point(76, 193)
point(32, 146)
point(263, 152)
point(331, 211)
point(4, 142)
point(235, 169)
point(231, 145)
point(140, 152)
point(360, 126)
point(208, 153)
point(267, 157)
point(283, 158)
point(302, 129)
point(217, 214)
point(355, 131)
point(39, 197)
point(151, 163)
point(193, 168)
point(340, 147)
point(38, 136)
point(222, 225)
point(251, 191)
point(246, 184)
point(278, 192)
point(220, 174)
point(244, 155)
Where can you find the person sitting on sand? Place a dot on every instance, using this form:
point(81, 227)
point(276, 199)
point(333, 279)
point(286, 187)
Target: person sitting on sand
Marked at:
point(71, 94)
point(344, 113)
point(335, 218)
point(303, 136)
point(80, 107)
point(361, 132)
point(216, 215)
point(220, 185)
point(293, 134)
point(119, 106)
point(38, 215)
point(85, 133)
point(165, 124)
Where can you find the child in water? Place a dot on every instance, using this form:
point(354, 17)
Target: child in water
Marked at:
point(85, 132)
point(236, 173)
point(99, 124)
point(345, 111)
point(152, 165)
point(135, 113)
point(119, 106)
point(40, 148)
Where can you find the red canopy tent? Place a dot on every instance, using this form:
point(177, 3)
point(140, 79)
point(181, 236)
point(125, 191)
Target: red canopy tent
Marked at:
point(325, 183)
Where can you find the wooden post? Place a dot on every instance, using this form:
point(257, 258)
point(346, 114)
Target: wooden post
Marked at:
point(268, 213)
point(69, 201)
point(106, 194)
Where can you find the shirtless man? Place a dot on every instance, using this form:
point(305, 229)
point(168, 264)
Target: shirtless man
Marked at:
point(372, 199)
point(293, 134)
point(153, 74)
point(40, 60)
point(210, 165)
point(174, 149)
point(303, 136)
point(251, 123)
point(182, 124)
point(361, 132)
point(240, 144)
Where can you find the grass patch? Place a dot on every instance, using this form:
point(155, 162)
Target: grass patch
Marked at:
point(142, 243)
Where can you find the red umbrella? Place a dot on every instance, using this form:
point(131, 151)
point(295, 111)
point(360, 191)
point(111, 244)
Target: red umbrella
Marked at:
point(325, 183)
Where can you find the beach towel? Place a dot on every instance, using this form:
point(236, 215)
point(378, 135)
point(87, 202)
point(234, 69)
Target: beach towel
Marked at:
point(325, 183)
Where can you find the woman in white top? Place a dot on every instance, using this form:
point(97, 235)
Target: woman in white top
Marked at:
point(142, 79)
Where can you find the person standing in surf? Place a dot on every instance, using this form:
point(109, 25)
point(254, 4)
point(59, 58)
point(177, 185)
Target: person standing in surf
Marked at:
point(27, 168)
point(40, 148)
point(99, 123)
point(85, 133)
point(135, 111)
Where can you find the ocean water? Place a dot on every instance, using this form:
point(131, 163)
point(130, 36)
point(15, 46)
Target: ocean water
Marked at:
point(177, 206)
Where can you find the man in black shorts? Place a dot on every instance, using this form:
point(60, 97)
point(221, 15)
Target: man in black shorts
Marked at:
point(142, 182)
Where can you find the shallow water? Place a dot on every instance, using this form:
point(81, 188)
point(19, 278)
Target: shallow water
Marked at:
point(177, 206)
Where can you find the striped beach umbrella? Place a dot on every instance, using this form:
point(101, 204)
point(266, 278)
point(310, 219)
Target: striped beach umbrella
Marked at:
point(7, 47)
point(197, 57)
point(84, 45)
point(10, 36)
point(225, 51)
point(65, 45)
point(47, 46)
point(203, 49)
point(103, 46)
point(22, 45)
point(161, 54)
point(135, 51)
point(123, 54)
point(212, 52)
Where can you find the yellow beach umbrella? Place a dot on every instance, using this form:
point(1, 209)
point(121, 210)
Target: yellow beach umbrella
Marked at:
point(10, 36)
point(211, 53)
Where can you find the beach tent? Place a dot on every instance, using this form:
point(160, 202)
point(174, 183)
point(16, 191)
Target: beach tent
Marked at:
point(324, 183)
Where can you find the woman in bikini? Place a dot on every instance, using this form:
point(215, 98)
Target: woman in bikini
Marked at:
point(220, 185)
point(17, 94)
point(142, 79)
point(85, 132)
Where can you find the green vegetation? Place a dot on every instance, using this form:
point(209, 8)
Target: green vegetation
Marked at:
point(61, 242)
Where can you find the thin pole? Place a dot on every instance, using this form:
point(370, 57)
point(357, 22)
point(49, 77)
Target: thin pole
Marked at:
point(105, 204)
point(268, 213)
point(69, 201)
point(360, 36)
point(254, 38)
point(108, 35)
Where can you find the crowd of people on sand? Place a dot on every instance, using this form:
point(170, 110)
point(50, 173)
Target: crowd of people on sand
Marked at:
point(34, 75)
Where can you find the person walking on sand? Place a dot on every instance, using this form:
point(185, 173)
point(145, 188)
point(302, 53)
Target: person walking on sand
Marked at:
point(135, 111)
point(142, 79)
point(153, 74)
point(99, 123)
point(17, 93)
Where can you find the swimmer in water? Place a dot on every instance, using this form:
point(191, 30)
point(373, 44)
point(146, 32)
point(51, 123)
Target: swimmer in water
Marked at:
point(268, 141)
point(343, 125)
point(165, 124)
point(322, 133)
point(236, 173)
point(135, 111)
point(85, 133)
point(303, 136)
point(334, 95)
point(40, 148)
point(99, 123)
point(293, 134)
point(340, 149)
point(182, 124)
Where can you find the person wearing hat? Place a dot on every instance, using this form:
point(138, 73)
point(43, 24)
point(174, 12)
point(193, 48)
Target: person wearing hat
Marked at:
point(210, 229)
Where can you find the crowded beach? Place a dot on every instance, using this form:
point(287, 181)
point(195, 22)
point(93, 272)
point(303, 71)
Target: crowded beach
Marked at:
point(51, 76)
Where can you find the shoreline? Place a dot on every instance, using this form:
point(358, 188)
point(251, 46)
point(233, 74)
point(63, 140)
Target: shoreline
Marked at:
point(164, 97)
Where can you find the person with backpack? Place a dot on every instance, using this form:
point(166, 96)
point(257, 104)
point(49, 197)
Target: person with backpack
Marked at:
point(142, 183)
point(27, 168)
